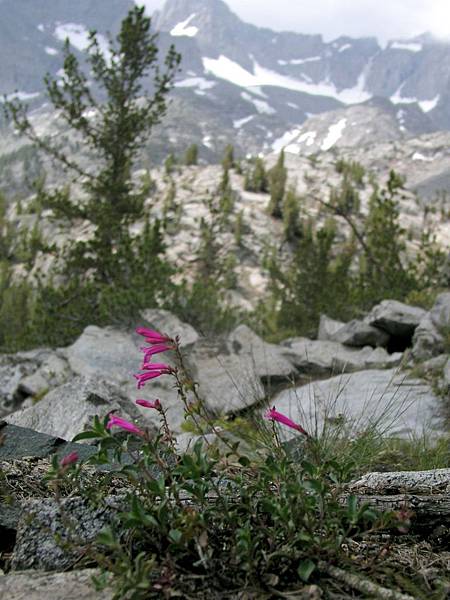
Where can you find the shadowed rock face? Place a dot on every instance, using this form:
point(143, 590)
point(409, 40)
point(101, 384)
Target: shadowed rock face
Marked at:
point(430, 336)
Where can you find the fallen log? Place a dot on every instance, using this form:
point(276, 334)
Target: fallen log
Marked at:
point(397, 482)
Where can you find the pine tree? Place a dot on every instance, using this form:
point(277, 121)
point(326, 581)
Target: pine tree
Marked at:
point(384, 271)
point(256, 179)
point(191, 155)
point(228, 158)
point(112, 118)
point(277, 179)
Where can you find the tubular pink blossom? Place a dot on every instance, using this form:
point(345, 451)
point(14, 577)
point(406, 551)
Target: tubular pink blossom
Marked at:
point(149, 404)
point(274, 415)
point(70, 459)
point(143, 377)
point(123, 424)
point(157, 367)
point(155, 349)
point(153, 337)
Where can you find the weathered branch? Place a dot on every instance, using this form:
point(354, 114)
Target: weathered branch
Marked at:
point(417, 482)
point(362, 584)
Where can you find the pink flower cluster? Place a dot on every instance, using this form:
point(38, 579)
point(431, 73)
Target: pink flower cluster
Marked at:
point(157, 343)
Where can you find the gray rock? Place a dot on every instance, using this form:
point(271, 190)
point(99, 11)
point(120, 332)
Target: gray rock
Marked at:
point(395, 317)
point(429, 337)
point(358, 333)
point(70, 408)
point(12, 370)
point(227, 383)
point(318, 357)
point(35, 585)
point(446, 377)
point(52, 536)
point(52, 372)
point(20, 442)
point(268, 360)
point(107, 352)
point(384, 398)
point(231, 374)
point(328, 327)
point(167, 323)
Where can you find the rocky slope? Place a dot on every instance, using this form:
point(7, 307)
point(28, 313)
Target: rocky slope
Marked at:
point(239, 82)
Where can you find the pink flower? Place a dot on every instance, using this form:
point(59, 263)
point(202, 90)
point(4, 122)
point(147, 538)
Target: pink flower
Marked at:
point(153, 337)
point(123, 424)
point(155, 349)
point(70, 459)
point(274, 415)
point(157, 367)
point(149, 404)
point(153, 370)
point(143, 377)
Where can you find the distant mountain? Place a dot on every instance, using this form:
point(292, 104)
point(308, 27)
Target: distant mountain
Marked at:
point(248, 85)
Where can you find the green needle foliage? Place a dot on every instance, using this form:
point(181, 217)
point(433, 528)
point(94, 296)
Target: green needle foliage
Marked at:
point(111, 113)
point(113, 117)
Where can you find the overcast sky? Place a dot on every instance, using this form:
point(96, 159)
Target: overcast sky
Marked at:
point(384, 19)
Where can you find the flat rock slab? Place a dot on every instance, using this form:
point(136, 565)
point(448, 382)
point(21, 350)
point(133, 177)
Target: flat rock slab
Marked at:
point(317, 357)
point(385, 398)
point(37, 585)
point(70, 408)
point(20, 442)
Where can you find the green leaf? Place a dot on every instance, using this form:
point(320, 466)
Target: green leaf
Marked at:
point(175, 535)
point(305, 568)
point(352, 508)
point(85, 435)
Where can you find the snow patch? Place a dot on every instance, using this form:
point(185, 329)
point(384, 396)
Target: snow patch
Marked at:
point(292, 105)
point(261, 106)
point(410, 46)
point(285, 139)
point(224, 68)
point(344, 47)
point(419, 156)
point(21, 96)
point(334, 133)
point(207, 141)
point(397, 97)
point(401, 119)
point(240, 122)
point(427, 105)
point(308, 137)
point(51, 51)
point(79, 37)
point(198, 82)
point(299, 61)
point(41, 27)
point(182, 29)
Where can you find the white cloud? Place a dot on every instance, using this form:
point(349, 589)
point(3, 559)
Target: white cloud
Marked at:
point(332, 18)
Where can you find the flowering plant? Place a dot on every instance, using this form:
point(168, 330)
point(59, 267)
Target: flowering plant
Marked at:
point(216, 513)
